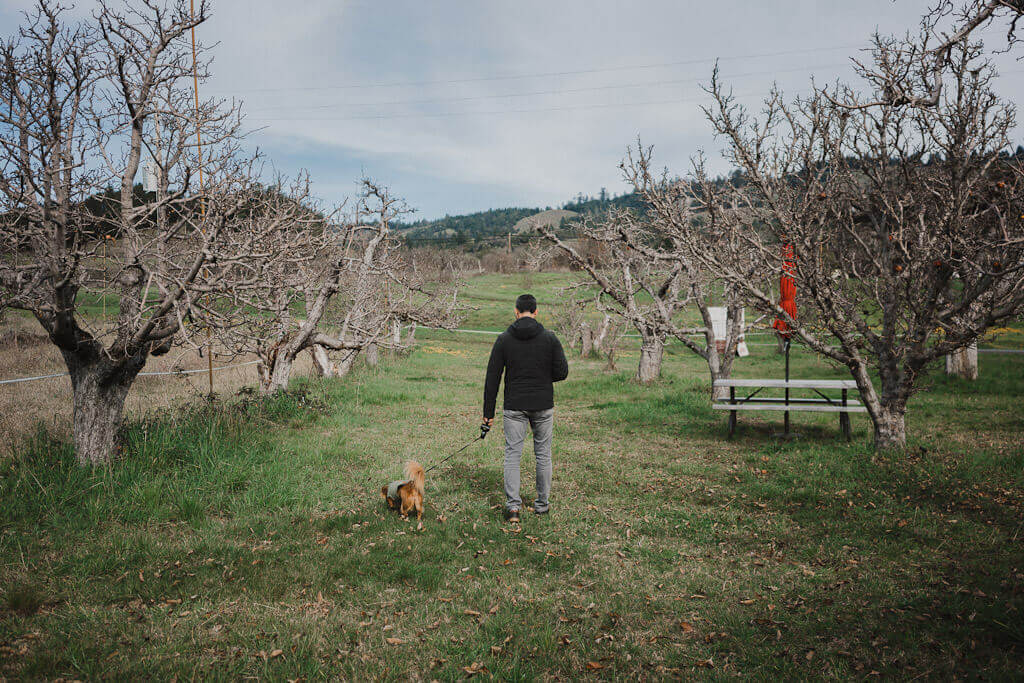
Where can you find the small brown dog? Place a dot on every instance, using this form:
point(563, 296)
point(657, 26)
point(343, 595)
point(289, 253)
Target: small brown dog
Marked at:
point(406, 496)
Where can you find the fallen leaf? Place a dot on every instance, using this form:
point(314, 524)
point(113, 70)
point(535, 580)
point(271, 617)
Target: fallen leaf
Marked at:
point(276, 653)
point(594, 666)
point(686, 626)
point(471, 613)
point(705, 664)
point(475, 668)
point(394, 641)
point(748, 601)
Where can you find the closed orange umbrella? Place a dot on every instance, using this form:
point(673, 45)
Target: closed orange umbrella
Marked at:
point(787, 302)
point(787, 292)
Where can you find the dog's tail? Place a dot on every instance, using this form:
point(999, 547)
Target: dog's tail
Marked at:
point(414, 473)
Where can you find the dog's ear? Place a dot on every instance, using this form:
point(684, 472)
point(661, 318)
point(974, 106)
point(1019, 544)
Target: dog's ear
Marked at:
point(384, 492)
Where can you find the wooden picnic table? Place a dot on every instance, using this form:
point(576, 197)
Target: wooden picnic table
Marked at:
point(823, 404)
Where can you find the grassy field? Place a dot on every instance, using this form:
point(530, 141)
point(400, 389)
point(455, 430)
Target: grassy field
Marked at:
point(247, 538)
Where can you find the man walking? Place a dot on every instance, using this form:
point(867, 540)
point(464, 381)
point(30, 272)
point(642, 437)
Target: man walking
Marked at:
point(531, 358)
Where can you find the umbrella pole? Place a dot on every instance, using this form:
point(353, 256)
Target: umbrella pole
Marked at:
point(786, 427)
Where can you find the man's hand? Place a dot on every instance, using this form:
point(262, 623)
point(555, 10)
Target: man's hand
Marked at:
point(489, 421)
point(485, 426)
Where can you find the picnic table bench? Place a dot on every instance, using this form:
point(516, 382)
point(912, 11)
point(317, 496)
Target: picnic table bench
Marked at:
point(823, 404)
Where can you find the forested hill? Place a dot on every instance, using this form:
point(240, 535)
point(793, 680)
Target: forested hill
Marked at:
point(495, 222)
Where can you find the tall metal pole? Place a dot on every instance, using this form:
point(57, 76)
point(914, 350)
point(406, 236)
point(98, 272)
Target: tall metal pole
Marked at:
point(202, 198)
point(786, 427)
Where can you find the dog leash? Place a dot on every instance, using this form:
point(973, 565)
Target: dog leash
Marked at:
point(483, 433)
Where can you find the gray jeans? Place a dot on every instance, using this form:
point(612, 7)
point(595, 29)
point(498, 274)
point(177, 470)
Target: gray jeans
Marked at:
point(516, 422)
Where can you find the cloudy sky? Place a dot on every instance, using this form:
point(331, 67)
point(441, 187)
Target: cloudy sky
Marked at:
point(463, 105)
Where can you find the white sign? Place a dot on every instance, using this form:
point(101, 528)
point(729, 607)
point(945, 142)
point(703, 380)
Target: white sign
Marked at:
point(720, 328)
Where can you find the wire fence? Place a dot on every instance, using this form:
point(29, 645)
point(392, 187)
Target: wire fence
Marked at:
point(493, 333)
point(162, 373)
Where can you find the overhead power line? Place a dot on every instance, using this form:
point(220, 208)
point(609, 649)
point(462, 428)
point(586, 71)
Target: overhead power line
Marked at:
point(417, 115)
point(609, 105)
point(548, 74)
point(560, 91)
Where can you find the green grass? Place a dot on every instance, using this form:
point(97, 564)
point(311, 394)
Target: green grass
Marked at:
point(248, 538)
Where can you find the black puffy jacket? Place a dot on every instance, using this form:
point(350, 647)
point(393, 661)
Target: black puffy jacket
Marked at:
point(532, 360)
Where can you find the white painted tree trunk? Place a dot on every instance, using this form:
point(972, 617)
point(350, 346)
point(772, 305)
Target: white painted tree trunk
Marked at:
point(396, 334)
point(651, 351)
point(325, 367)
point(587, 345)
point(963, 363)
point(345, 364)
point(602, 333)
point(410, 341)
point(372, 355)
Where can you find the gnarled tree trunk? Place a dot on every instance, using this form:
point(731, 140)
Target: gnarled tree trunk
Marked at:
point(890, 427)
point(587, 337)
point(274, 377)
point(100, 389)
point(344, 366)
point(652, 348)
point(888, 411)
point(275, 367)
point(720, 367)
point(325, 367)
point(719, 373)
point(609, 365)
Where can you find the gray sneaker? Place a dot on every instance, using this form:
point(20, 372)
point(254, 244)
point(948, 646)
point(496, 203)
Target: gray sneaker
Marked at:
point(512, 515)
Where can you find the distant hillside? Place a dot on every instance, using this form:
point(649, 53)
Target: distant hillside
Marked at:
point(552, 217)
point(495, 223)
point(471, 226)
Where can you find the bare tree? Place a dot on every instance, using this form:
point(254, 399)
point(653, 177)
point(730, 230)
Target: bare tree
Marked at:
point(648, 280)
point(601, 333)
point(570, 317)
point(904, 219)
point(647, 292)
point(613, 337)
point(81, 104)
point(912, 72)
point(384, 290)
point(665, 235)
point(326, 271)
point(968, 17)
point(294, 246)
point(324, 283)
